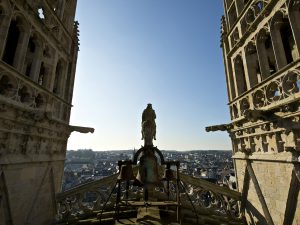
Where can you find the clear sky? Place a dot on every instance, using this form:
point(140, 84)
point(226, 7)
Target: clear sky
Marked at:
point(164, 52)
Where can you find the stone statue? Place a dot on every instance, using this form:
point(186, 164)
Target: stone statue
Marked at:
point(148, 125)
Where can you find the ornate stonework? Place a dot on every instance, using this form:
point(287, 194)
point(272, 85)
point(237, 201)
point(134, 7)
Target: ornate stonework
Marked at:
point(261, 45)
point(38, 54)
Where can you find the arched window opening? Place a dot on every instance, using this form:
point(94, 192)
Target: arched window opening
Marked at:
point(58, 74)
point(32, 57)
point(288, 41)
point(42, 75)
point(294, 15)
point(254, 72)
point(68, 82)
point(266, 54)
point(270, 54)
point(31, 45)
point(11, 43)
point(240, 75)
point(2, 14)
point(283, 40)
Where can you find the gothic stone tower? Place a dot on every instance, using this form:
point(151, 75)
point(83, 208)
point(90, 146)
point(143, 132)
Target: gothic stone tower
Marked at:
point(261, 45)
point(38, 53)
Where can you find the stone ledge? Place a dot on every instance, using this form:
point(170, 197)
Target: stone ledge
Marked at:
point(287, 157)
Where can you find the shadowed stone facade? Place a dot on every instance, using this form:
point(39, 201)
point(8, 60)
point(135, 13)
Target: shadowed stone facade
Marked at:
point(261, 44)
point(38, 52)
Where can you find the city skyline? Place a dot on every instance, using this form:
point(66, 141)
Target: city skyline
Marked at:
point(133, 53)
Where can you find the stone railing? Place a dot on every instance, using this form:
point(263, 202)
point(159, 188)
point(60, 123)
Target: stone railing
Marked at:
point(97, 196)
point(93, 197)
point(85, 198)
point(209, 196)
point(276, 91)
point(19, 90)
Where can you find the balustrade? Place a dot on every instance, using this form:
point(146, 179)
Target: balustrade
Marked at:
point(97, 196)
point(18, 89)
point(277, 90)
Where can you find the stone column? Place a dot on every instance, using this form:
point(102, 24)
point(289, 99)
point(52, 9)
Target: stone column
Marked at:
point(4, 27)
point(246, 72)
point(251, 65)
point(62, 80)
point(36, 63)
point(262, 57)
point(52, 72)
point(235, 78)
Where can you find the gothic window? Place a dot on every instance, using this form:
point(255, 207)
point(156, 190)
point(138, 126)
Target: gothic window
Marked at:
point(283, 39)
point(2, 13)
point(253, 65)
point(58, 77)
point(240, 75)
point(11, 43)
point(42, 75)
point(68, 82)
point(231, 81)
point(31, 45)
point(270, 54)
point(294, 15)
point(265, 54)
point(288, 41)
point(32, 57)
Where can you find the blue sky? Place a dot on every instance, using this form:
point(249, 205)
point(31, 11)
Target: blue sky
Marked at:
point(164, 52)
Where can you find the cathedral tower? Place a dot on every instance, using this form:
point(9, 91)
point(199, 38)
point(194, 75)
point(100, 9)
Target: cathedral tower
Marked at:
point(38, 54)
point(261, 45)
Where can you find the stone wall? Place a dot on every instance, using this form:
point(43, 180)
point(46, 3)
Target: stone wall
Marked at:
point(38, 54)
point(270, 195)
point(261, 45)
